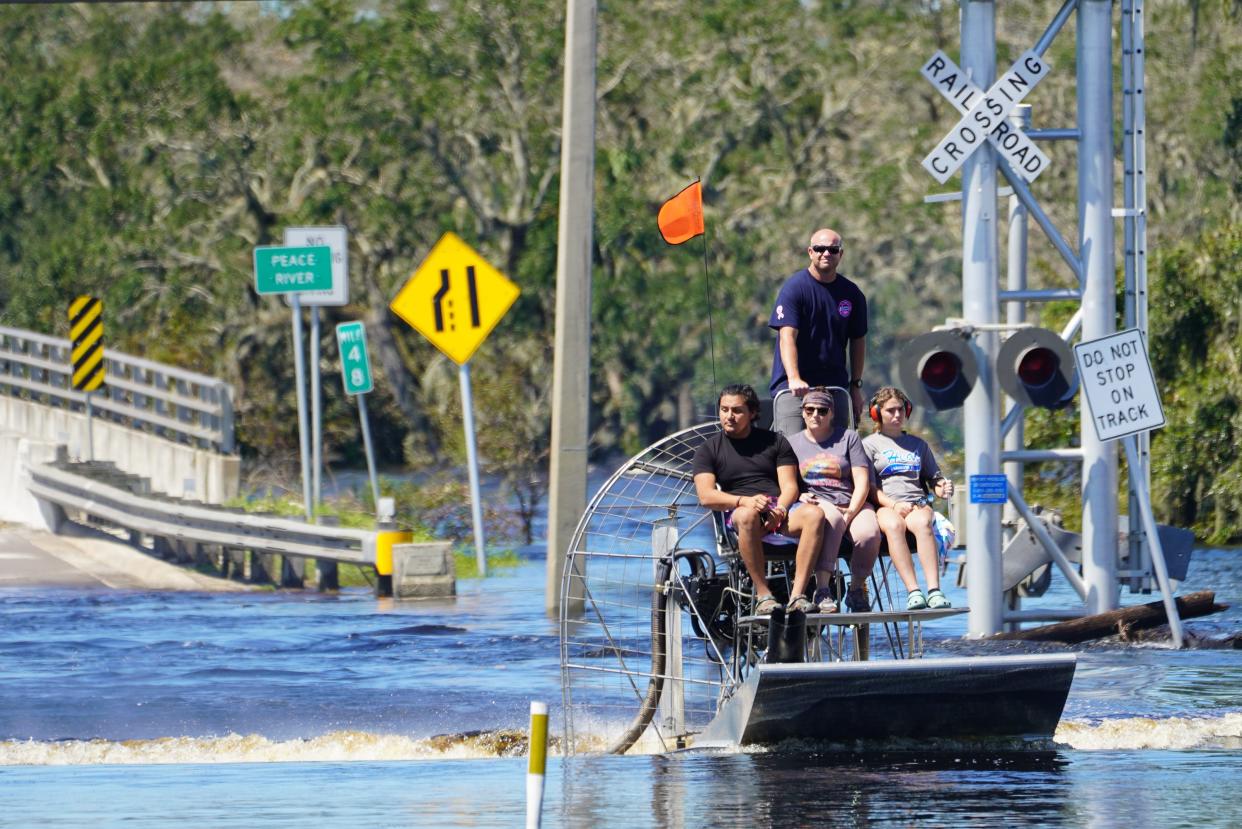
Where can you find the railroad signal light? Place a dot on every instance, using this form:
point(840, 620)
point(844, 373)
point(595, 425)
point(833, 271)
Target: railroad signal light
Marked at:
point(1035, 368)
point(938, 370)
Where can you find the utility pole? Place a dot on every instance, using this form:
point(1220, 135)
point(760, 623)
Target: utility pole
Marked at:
point(571, 365)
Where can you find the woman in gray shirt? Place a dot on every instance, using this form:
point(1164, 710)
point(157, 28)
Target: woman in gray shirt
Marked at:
point(906, 472)
point(837, 475)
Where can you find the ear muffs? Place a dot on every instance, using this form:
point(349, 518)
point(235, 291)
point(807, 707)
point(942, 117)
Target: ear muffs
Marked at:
point(874, 410)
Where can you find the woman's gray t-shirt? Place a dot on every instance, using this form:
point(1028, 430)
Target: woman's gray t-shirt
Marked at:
point(827, 468)
point(903, 467)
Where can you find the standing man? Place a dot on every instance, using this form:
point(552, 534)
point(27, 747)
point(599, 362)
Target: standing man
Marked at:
point(819, 316)
point(752, 474)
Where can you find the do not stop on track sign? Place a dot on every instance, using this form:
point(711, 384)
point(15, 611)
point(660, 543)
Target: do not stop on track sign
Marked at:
point(1119, 385)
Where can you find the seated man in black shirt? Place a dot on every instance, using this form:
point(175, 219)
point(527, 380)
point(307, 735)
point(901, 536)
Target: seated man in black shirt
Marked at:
point(757, 474)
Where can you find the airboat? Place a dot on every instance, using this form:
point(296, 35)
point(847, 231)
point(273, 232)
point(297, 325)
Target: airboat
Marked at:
point(659, 649)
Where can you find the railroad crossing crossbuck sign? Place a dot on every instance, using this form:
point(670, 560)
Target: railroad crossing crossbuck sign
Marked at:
point(984, 116)
point(86, 332)
point(455, 298)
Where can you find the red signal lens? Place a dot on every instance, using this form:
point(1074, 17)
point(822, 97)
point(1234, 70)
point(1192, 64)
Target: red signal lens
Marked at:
point(1037, 367)
point(940, 371)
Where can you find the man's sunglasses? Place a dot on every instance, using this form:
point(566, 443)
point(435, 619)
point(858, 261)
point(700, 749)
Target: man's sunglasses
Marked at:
point(822, 412)
point(833, 249)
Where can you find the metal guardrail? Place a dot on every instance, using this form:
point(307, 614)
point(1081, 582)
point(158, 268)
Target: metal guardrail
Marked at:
point(179, 405)
point(117, 498)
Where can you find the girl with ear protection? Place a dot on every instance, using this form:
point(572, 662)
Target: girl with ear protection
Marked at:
point(906, 472)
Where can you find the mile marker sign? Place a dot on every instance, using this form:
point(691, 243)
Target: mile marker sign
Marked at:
point(1119, 385)
point(351, 339)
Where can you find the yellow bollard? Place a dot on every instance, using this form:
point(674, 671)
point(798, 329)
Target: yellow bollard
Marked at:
point(537, 766)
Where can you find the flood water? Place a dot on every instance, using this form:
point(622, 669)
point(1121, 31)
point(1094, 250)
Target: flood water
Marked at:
point(294, 710)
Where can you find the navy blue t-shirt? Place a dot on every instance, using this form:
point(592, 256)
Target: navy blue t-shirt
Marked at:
point(827, 315)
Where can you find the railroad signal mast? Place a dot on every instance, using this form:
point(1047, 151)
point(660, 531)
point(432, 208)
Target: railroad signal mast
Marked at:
point(966, 364)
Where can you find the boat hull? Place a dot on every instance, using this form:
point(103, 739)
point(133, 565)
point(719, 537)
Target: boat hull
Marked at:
point(972, 698)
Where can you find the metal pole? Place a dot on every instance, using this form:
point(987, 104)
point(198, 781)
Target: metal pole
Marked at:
point(571, 362)
point(1095, 225)
point(980, 304)
point(366, 443)
point(472, 462)
point(1134, 191)
point(299, 371)
point(316, 412)
point(90, 429)
point(1015, 312)
point(1153, 538)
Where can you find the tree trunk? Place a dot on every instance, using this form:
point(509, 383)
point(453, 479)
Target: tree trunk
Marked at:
point(1121, 621)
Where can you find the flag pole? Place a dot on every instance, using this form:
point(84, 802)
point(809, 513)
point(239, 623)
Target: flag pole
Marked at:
point(707, 287)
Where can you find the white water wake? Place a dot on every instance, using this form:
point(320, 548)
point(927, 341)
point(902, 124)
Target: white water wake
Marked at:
point(1122, 734)
point(1147, 733)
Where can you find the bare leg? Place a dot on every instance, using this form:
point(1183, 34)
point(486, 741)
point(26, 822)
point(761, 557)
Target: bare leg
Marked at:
point(808, 525)
point(894, 528)
point(865, 531)
point(919, 522)
point(750, 534)
point(833, 532)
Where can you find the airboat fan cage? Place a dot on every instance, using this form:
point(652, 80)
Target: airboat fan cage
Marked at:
point(641, 531)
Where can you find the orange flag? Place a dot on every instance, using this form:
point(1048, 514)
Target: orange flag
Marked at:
point(681, 217)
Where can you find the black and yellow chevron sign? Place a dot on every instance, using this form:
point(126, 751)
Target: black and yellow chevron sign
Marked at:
point(86, 332)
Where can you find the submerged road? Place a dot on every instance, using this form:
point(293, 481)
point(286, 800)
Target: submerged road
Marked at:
point(88, 558)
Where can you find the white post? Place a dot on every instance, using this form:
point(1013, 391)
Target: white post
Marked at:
point(299, 371)
point(472, 461)
point(537, 765)
point(366, 443)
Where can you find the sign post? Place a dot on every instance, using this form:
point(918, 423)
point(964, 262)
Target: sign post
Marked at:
point(293, 271)
point(455, 299)
point(1120, 388)
point(336, 238)
point(351, 340)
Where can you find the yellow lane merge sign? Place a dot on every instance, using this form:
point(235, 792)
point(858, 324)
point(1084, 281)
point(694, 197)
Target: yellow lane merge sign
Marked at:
point(455, 298)
point(86, 333)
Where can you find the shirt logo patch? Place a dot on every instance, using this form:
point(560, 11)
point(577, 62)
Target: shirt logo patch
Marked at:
point(780, 312)
point(844, 307)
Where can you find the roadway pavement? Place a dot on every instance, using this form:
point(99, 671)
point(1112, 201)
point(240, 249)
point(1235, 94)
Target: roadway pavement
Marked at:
point(87, 558)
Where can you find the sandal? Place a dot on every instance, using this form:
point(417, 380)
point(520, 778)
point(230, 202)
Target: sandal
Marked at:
point(937, 600)
point(824, 601)
point(800, 603)
point(765, 604)
point(915, 600)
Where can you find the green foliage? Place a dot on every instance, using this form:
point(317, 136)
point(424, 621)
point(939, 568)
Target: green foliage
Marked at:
point(1196, 320)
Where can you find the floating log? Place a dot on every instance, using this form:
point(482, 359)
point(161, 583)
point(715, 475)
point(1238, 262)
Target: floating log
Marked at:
point(1121, 621)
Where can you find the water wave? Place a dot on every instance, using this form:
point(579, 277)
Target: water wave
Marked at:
point(1121, 734)
point(335, 747)
point(1142, 733)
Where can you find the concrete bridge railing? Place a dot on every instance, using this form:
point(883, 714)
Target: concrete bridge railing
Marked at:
point(164, 423)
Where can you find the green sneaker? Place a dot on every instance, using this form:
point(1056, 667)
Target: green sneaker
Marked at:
point(915, 600)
